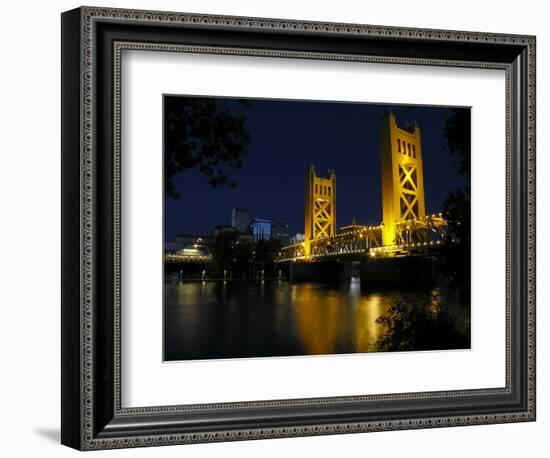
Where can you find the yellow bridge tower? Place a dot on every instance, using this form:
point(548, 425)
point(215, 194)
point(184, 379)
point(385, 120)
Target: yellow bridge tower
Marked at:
point(402, 176)
point(320, 207)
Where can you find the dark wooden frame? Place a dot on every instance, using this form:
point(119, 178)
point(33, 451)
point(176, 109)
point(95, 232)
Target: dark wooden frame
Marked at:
point(92, 40)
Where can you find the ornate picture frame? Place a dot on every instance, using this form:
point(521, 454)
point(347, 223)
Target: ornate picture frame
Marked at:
point(93, 416)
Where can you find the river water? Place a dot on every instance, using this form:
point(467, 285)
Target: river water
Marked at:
point(212, 320)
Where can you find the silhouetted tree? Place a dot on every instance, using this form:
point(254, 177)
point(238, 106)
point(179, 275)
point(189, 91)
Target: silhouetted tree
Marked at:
point(231, 253)
point(242, 257)
point(455, 256)
point(199, 133)
point(414, 328)
point(265, 252)
point(458, 134)
point(222, 249)
point(455, 259)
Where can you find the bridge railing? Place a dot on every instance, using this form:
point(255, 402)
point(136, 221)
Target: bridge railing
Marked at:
point(426, 229)
point(292, 252)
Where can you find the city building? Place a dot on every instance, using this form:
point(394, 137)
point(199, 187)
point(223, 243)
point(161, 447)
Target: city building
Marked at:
point(297, 238)
point(241, 219)
point(223, 229)
point(352, 227)
point(192, 239)
point(171, 247)
point(279, 231)
point(261, 229)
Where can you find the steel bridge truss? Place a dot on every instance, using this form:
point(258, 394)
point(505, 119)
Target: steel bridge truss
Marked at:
point(414, 236)
point(421, 230)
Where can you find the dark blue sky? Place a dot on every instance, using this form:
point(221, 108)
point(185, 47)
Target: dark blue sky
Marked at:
point(287, 136)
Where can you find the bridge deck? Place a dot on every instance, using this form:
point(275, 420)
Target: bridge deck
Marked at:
point(413, 236)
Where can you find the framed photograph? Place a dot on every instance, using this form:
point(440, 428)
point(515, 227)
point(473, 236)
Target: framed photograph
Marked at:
point(277, 228)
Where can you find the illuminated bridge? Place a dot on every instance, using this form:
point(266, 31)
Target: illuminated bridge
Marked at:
point(405, 229)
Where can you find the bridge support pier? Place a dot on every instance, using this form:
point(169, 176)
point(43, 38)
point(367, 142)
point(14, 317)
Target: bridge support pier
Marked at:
point(375, 273)
point(322, 272)
point(398, 272)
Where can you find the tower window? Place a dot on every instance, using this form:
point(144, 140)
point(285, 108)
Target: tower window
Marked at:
point(316, 190)
point(398, 145)
point(414, 151)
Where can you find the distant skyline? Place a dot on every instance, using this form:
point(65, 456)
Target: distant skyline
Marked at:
point(285, 138)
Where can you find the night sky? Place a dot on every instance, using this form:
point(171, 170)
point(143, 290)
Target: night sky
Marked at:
point(287, 136)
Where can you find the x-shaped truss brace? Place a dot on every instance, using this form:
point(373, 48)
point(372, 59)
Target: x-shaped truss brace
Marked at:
point(405, 179)
point(322, 219)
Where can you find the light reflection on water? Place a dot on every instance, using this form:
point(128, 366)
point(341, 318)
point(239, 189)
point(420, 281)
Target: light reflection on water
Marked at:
point(208, 320)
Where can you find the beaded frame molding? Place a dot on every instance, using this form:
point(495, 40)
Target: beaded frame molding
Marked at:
point(92, 42)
